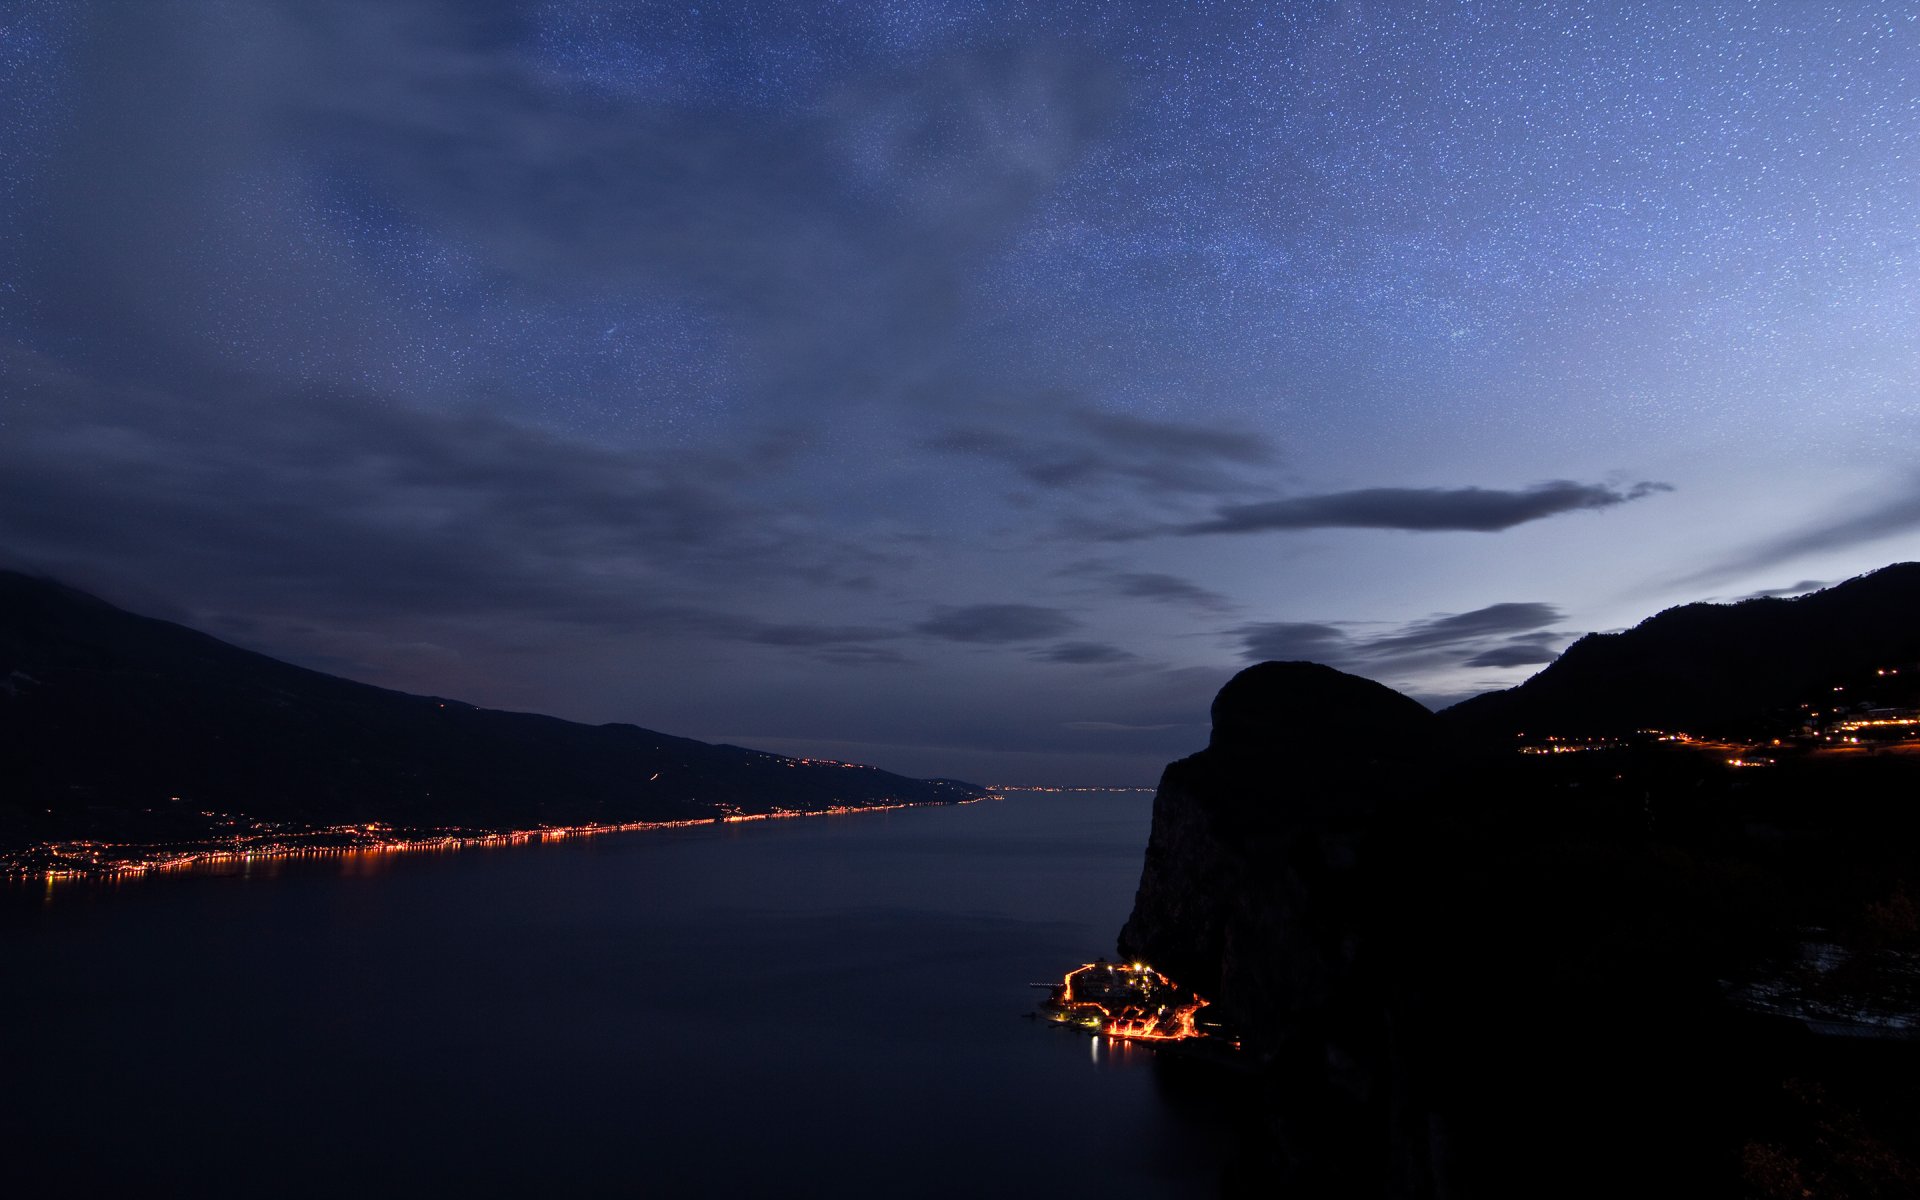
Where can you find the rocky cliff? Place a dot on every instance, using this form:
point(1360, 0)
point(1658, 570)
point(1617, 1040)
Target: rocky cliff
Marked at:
point(1257, 892)
point(1459, 973)
point(1301, 761)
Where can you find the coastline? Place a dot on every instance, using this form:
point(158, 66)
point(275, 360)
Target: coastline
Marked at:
point(80, 860)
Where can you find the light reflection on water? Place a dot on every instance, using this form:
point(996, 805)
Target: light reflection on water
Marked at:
point(717, 1011)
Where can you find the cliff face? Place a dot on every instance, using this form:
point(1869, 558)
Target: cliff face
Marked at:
point(1208, 913)
point(1257, 893)
point(1250, 893)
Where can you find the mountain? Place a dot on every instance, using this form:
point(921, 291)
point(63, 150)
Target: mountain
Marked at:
point(1718, 668)
point(121, 727)
point(1451, 972)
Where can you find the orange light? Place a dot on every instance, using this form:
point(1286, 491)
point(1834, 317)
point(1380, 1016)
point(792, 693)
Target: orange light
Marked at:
point(1138, 1018)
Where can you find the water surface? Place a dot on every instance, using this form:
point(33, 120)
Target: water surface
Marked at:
point(823, 1006)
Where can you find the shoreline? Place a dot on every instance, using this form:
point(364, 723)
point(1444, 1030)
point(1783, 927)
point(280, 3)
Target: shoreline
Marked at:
point(68, 861)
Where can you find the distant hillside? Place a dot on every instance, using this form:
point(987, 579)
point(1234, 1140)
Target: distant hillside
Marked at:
point(1713, 667)
point(119, 726)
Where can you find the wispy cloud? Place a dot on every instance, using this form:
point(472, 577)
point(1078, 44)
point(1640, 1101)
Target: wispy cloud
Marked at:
point(1499, 635)
point(1472, 509)
point(1460, 628)
point(1869, 519)
point(1792, 589)
point(1521, 652)
point(1075, 447)
point(996, 623)
point(358, 510)
point(1158, 586)
point(1292, 640)
point(1169, 589)
point(1086, 653)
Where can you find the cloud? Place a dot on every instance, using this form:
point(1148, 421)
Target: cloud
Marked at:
point(1466, 627)
point(555, 177)
point(1517, 653)
point(1119, 726)
point(412, 196)
point(1146, 585)
point(1483, 637)
point(1153, 585)
point(1075, 447)
point(1792, 589)
point(1870, 520)
point(1294, 640)
point(1481, 510)
point(776, 634)
point(346, 509)
point(1084, 652)
point(860, 656)
point(996, 623)
point(1163, 439)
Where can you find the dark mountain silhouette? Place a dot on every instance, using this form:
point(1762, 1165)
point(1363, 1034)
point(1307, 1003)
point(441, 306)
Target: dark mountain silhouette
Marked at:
point(1714, 667)
point(124, 727)
point(1457, 969)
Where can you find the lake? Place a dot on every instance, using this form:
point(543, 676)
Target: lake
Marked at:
point(821, 1006)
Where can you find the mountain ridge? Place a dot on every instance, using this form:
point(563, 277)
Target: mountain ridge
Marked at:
point(120, 726)
point(1710, 667)
point(1458, 964)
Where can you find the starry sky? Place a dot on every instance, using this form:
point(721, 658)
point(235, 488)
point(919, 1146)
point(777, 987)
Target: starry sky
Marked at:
point(965, 388)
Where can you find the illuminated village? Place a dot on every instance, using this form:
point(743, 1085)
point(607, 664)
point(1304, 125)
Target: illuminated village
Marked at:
point(1047, 789)
point(1840, 726)
point(1125, 1000)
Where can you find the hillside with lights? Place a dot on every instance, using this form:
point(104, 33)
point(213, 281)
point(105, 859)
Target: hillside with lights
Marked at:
point(129, 743)
point(1650, 914)
point(1764, 665)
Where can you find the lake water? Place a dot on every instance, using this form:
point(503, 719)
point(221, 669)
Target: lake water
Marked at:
point(828, 1006)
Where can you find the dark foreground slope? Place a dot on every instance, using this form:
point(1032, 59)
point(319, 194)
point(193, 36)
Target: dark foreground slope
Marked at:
point(1714, 668)
point(1466, 974)
point(123, 727)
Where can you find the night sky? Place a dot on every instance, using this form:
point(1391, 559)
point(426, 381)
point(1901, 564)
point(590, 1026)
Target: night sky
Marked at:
point(964, 388)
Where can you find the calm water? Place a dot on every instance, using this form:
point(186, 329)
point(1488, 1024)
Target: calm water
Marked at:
point(827, 1006)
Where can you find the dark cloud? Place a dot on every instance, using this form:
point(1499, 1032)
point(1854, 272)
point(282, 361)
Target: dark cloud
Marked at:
point(1464, 627)
point(1084, 652)
point(1480, 638)
point(1153, 585)
point(1294, 640)
point(338, 506)
point(1482, 510)
point(996, 623)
